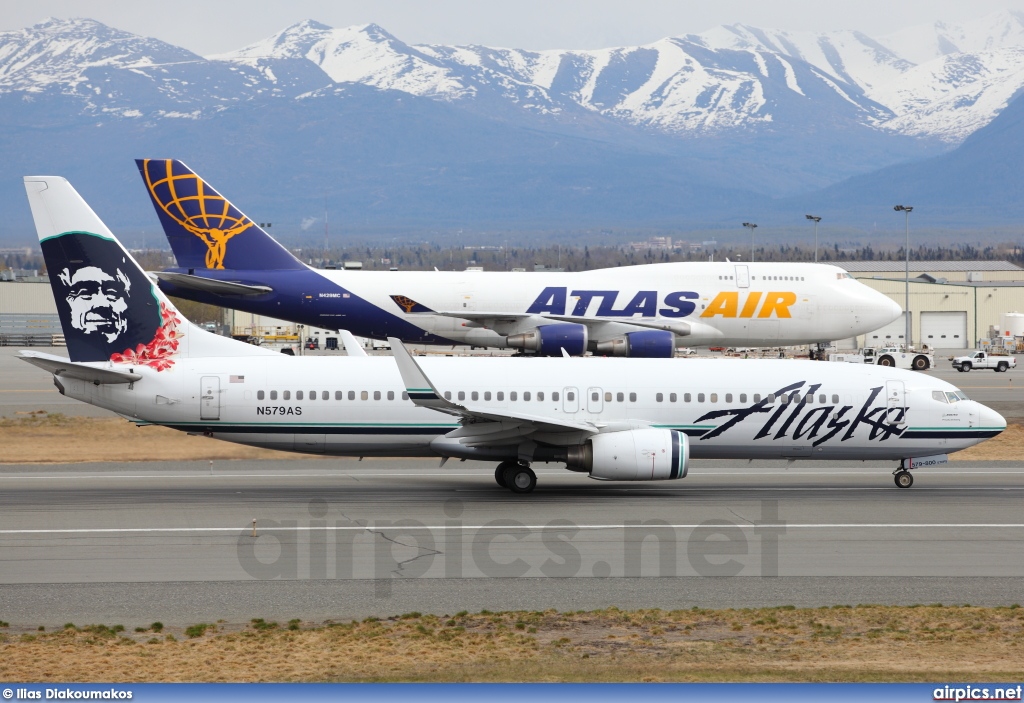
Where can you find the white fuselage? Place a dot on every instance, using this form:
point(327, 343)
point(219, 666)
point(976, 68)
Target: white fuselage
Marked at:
point(854, 413)
point(705, 303)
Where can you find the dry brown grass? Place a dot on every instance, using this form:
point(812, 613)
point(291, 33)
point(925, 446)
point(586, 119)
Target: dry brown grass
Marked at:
point(1007, 446)
point(30, 440)
point(865, 643)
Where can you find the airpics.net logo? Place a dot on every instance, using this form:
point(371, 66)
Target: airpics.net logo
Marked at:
point(970, 692)
point(453, 547)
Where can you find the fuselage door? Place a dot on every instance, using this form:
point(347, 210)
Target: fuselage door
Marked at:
point(570, 400)
point(209, 398)
point(595, 403)
point(895, 402)
point(742, 277)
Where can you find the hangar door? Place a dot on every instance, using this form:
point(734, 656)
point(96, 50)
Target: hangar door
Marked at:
point(944, 330)
point(893, 333)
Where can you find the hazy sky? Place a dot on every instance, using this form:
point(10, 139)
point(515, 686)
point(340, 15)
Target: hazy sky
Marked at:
point(213, 26)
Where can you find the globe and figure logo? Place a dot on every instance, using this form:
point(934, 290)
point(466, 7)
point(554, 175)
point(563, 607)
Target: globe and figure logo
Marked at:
point(195, 206)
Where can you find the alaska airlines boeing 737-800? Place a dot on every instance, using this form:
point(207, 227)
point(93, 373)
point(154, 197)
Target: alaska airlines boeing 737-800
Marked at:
point(615, 419)
point(226, 259)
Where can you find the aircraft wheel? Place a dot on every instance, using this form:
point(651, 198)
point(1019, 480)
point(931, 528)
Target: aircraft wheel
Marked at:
point(520, 479)
point(499, 472)
point(903, 479)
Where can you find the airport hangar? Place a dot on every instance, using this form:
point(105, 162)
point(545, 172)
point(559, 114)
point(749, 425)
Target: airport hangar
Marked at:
point(953, 305)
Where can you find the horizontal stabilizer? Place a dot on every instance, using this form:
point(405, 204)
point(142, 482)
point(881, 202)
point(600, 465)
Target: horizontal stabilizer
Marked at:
point(210, 285)
point(65, 368)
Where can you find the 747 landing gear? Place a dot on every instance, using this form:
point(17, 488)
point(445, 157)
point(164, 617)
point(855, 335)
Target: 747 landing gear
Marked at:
point(902, 477)
point(518, 478)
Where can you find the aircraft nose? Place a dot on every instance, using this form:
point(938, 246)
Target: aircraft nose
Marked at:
point(992, 420)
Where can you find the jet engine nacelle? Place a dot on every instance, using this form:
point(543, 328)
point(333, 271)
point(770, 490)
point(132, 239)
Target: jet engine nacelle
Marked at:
point(550, 340)
point(633, 455)
point(648, 344)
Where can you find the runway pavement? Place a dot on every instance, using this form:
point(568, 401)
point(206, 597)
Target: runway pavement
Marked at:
point(137, 542)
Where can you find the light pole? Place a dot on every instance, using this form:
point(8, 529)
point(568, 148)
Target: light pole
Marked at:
point(816, 221)
point(751, 226)
point(906, 210)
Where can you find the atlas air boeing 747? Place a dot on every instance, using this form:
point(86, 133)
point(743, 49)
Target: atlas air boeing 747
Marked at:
point(613, 419)
point(226, 259)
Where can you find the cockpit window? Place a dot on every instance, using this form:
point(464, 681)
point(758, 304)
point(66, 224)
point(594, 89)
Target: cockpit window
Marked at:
point(841, 275)
point(961, 395)
point(951, 397)
point(939, 396)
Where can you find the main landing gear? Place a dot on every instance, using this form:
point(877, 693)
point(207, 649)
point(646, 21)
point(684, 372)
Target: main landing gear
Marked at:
point(518, 478)
point(902, 477)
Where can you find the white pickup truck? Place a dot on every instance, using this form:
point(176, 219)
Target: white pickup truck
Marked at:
point(984, 360)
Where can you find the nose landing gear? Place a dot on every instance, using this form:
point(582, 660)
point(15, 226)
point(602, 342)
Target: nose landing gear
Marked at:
point(518, 478)
point(902, 477)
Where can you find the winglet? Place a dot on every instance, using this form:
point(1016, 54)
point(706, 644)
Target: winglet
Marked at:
point(421, 391)
point(352, 347)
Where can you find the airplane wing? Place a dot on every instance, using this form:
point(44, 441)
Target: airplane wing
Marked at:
point(481, 425)
point(59, 366)
point(210, 285)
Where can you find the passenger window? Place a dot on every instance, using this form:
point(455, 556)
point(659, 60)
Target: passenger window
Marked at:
point(686, 397)
point(607, 396)
point(326, 395)
point(771, 398)
point(620, 397)
point(700, 397)
point(632, 397)
point(540, 395)
point(298, 395)
point(273, 395)
point(554, 396)
point(743, 397)
point(835, 399)
point(474, 396)
point(526, 395)
point(671, 397)
point(714, 397)
point(364, 395)
point(391, 395)
point(286, 395)
point(447, 395)
point(259, 395)
point(809, 398)
point(405, 396)
point(462, 395)
point(487, 395)
point(939, 396)
point(376, 395)
point(513, 396)
point(728, 397)
point(757, 397)
point(595, 396)
point(351, 395)
point(659, 397)
point(822, 398)
point(501, 395)
point(570, 396)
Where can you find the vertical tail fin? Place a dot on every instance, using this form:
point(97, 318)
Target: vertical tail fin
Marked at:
point(204, 229)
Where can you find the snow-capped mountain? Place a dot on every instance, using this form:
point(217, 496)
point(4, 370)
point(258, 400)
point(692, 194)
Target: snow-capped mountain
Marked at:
point(690, 129)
